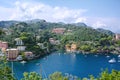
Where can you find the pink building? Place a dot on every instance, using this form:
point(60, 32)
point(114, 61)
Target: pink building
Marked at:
point(28, 54)
point(58, 30)
point(3, 45)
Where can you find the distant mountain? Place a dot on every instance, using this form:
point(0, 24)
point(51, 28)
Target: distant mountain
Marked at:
point(105, 31)
point(5, 24)
point(80, 24)
point(35, 20)
point(40, 23)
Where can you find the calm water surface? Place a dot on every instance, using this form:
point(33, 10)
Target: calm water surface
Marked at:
point(75, 64)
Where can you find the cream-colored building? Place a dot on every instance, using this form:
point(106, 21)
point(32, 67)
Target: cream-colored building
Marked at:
point(117, 37)
point(21, 48)
point(12, 54)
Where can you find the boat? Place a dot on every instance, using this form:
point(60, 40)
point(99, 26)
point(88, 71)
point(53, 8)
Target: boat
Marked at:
point(96, 55)
point(118, 60)
point(119, 56)
point(112, 60)
point(23, 62)
point(107, 56)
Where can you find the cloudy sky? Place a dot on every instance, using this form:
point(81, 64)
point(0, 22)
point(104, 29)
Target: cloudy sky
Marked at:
point(96, 13)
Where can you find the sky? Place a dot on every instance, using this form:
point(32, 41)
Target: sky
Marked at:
point(96, 13)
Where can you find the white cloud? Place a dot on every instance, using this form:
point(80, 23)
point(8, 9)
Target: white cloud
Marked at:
point(23, 10)
point(5, 13)
point(30, 10)
point(105, 23)
point(99, 24)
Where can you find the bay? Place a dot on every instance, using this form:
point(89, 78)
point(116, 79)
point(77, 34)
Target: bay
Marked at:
point(80, 65)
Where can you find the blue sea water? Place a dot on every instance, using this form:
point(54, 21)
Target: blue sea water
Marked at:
point(76, 64)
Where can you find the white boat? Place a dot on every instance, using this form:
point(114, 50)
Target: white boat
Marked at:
point(119, 56)
point(107, 56)
point(96, 55)
point(112, 60)
point(23, 62)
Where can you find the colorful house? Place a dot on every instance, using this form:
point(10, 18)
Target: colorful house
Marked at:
point(58, 30)
point(12, 54)
point(117, 37)
point(28, 55)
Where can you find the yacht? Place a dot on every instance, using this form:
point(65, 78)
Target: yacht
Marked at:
point(119, 55)
point(96, 55)
point(107, 56)
point(23, 62)
point(112, 60)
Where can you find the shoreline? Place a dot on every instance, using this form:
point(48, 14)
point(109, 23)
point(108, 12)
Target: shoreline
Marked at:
point(65, 52)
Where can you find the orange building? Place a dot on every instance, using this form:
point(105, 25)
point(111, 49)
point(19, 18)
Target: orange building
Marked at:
point(12, 54)
point(71, 48)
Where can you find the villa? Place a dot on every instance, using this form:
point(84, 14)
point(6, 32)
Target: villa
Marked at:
point(12, 54)
point(3, 46)
point(71, 48)
point(28, 55)
point(117, 36)
point(20, 44)
point(58, 30)
point(53, 41)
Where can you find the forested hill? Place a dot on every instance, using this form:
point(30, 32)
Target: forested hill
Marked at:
point(42, 24)
point(37, 31)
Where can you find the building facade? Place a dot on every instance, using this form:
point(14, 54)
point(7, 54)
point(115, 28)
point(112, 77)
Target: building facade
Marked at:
point(11, 54)
point(58, 30)
point(28, 55)
point(3, 45)
point(117, 36)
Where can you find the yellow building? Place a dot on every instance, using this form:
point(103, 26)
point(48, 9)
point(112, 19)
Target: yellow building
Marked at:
point(68, 47)
point(73, 47)
point(12, 54)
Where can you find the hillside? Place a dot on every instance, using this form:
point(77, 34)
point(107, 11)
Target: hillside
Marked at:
point(42, 24)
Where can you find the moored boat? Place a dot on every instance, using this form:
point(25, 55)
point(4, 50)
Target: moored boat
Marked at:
point(23, 62)
point(112, 60)
point(119, 56)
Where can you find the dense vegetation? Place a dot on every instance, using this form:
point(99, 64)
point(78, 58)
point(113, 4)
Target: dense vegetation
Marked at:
point(36, 32)
point(105, 75)
point(5, 71)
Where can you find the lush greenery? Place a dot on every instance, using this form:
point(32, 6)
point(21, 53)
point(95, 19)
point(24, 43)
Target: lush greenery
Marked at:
point(6, 74)
point(5, 71)
point(105, 75)
point(35, 33)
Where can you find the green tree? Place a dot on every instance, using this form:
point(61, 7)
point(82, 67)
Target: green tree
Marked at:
point(31, 76)
point(5, 71)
